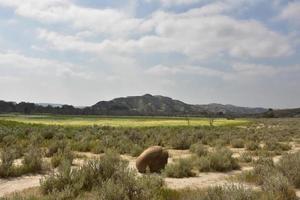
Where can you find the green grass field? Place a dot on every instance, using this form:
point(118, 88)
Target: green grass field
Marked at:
point(119, 121)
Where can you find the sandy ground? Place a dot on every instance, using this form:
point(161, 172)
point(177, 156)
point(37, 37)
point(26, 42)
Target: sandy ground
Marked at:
point(12, 185)
point(201, 181)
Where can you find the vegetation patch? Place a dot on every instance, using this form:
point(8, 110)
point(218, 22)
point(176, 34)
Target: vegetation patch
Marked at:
point(220, 160)
point(180, 168)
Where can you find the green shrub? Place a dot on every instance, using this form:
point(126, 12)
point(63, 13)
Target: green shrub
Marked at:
point(226, 192)
point(112, 191)
point(55, 146)
point(82, 146)
point(32, 161)
point(219, 160)
point(6, 165)
point(203, 164)
point(199, 149)
point(57, 181)
point(289, 165)
point(136, 150)
point(252, 146)
point(278, 187)
point(180, 168)
point(97, 147)
point(61, 155)
point(48, 134)
point(263, 168)
point(273, 145)
point(219, 143)
point(110, 178)
point(181, 141)
point(246, 157)
point(237, 143)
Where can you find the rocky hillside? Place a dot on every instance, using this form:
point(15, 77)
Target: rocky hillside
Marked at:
point(146, 105)
point(160, 105)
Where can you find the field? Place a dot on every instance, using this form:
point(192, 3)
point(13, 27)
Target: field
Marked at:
point(74, 157)
point(119, 121)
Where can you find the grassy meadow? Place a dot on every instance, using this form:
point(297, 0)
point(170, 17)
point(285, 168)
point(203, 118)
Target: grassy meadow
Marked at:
point(120, 121)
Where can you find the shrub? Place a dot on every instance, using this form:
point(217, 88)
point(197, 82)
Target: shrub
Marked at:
point(278, 187)
point(203, 164)
point(273, 145)
point(199, 149)
point(128, 186)
point(61, 155)
point(237, 143)
point(274, 184)
point(49, 134)
point(289, 165)
point(55, 146)
point(32, 162)
point(109, 177)
point(97, 147)
point(252, 146)
point(245, 157)
point(82, 146)
point(219, 160)
point(180, 168)
point(57, 182)
point(263, 168)
point(136, 150)
point(7, 159)
point(112, 191)
point(219, 143)
point(181, 141)
point(226, 192)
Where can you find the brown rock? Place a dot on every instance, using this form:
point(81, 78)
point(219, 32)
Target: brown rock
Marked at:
point(155, 158)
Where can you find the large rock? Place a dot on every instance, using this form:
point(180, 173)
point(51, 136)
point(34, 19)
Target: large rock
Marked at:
point(155, 158)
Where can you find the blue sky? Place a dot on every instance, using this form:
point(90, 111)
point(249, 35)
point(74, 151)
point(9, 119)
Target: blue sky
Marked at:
point(242, 52)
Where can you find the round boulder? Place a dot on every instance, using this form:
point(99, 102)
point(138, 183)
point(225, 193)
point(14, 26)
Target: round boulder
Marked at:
point(155, 158)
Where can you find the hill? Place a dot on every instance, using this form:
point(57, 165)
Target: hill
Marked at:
point(146, 105)
point(160, 105)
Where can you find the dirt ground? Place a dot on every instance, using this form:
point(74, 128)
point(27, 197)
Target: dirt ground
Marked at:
point(8, 186)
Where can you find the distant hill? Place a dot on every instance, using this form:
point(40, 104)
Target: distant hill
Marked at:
point(146, 105)
point(160, 105)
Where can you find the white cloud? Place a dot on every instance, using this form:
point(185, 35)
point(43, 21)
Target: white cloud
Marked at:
point(240, 71)
point(13, 62)
point(162, 70)
point(291, 13)
point(105, 20)
point(253, 71)
point(176, 2)
point(197, 36)
point(192, 33)
point(241, 4)
point(198, 33)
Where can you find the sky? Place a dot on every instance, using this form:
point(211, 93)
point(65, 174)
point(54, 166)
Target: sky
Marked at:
point(241, 52)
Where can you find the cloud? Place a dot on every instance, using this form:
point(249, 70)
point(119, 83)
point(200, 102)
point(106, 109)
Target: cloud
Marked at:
point(200, 36)
point(192, 33)
point(255, 71)
point(175, 2)
point(106, 20)
point(162, 70)
point(241, 4)
point(291, 13)
point(197, 33)
point(239, 71)
point(16, 63)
